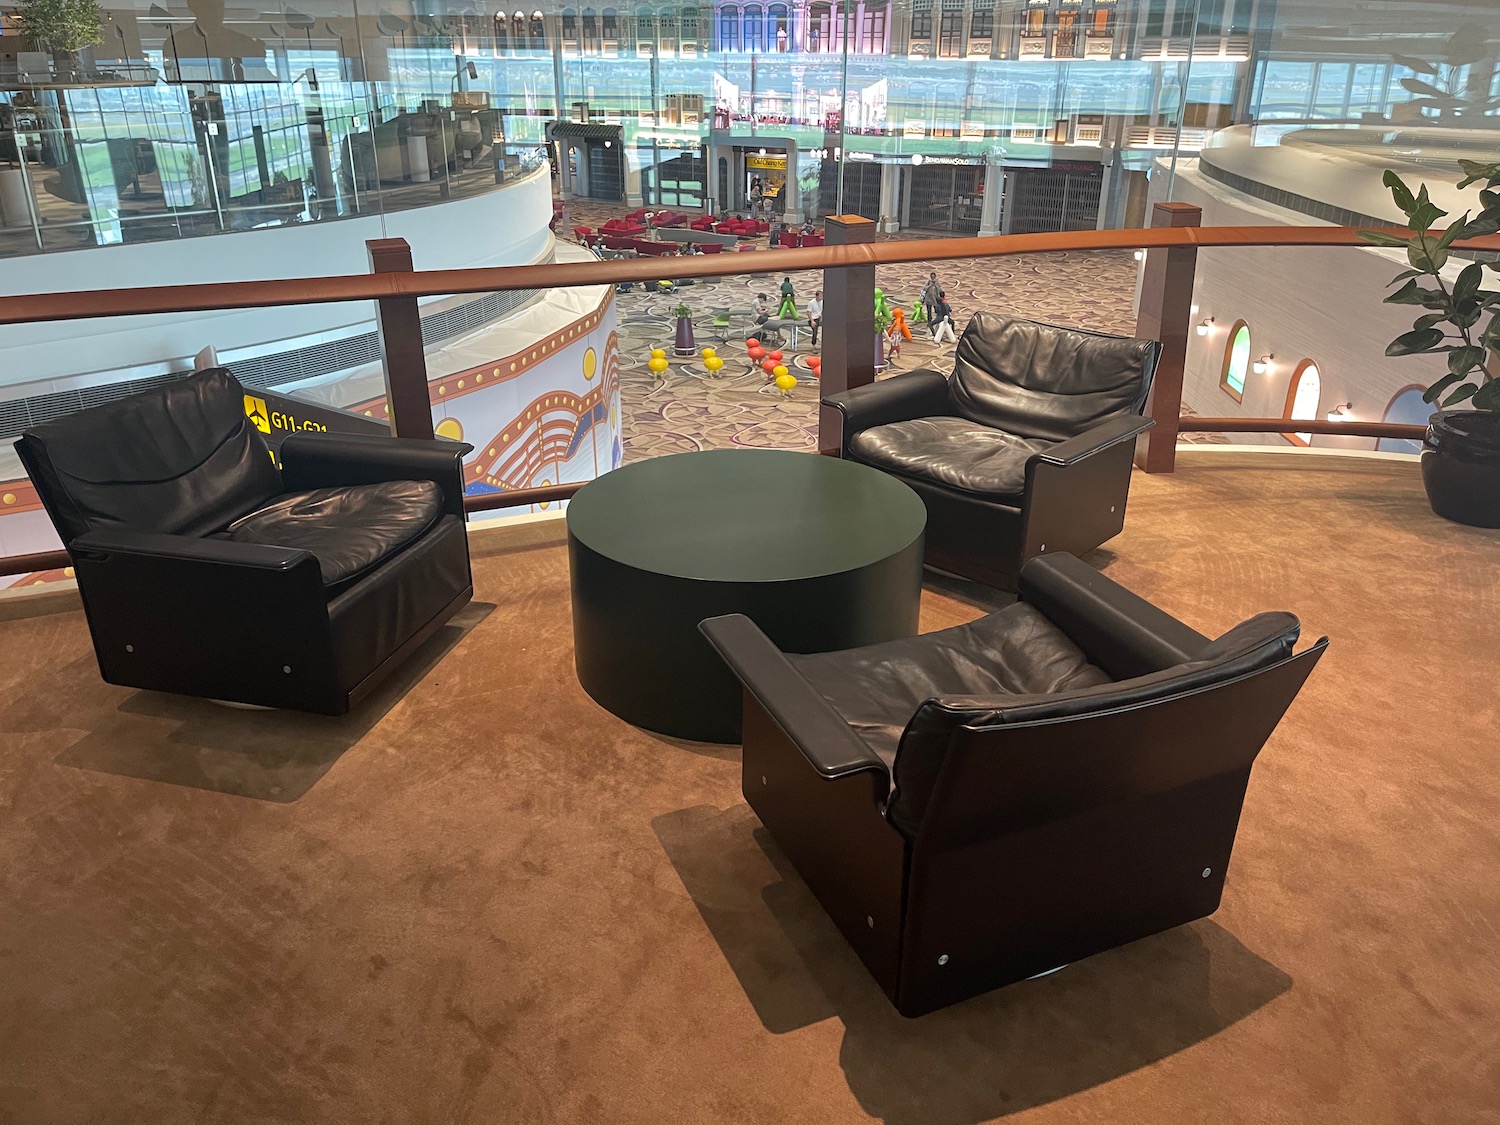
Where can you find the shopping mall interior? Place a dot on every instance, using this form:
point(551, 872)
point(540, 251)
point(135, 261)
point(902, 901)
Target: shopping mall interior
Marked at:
point(746, 562)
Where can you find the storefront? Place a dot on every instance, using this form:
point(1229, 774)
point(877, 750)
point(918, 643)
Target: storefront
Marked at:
point(1062, 196)
point(765, 181)
point(947, 194)
point(591, 160)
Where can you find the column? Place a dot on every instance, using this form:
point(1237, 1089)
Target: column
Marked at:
point(994, 188)
point(848, 336)
point(890, 198)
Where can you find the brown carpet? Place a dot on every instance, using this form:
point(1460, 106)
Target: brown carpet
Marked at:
point(482, 899)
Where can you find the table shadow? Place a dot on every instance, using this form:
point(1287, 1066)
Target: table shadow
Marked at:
point(1013, 1049)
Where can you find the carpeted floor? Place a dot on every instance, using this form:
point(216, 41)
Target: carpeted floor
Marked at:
point(482, 899)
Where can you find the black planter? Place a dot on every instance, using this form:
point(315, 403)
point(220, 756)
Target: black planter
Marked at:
point(684, 345)
point(1461, 466)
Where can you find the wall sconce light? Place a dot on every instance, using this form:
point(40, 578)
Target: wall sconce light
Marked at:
point(609, 144)
point(1263, 364)
point(1337, 414)
point(762, 152)
point(1139, 255)
point(1203, 326)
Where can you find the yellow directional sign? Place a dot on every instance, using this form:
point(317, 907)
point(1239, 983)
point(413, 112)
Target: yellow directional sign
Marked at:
point(255, 410)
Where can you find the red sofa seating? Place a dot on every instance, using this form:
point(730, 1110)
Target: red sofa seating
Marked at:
point(654, 249)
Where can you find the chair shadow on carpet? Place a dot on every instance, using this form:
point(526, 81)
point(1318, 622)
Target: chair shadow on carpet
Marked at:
point(265, 755)
point(997, 1054)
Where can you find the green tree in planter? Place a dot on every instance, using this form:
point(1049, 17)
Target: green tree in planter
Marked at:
point(63, 27)
point(1464, 321)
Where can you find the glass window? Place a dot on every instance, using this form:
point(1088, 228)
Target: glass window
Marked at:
point(1236, 361)
point(610, 24)
point(872, 35)
point(1302, 398)
point(1156, 16)
point(777, 26)
point(645, 26)
point(689, 25)
point(982, 26)
point(951, 30)
point(1210, 18)
point(752, 27)
point(538, 32)
point(1406, 408)
point(819, 33)
point(921, 20)
point(729, 28)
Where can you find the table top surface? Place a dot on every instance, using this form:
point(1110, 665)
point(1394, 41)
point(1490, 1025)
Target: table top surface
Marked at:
point(746, 515)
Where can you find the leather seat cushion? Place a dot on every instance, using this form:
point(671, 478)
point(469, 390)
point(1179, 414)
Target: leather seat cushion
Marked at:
point(350, 530)
point(1015, 651)
point(951, 451)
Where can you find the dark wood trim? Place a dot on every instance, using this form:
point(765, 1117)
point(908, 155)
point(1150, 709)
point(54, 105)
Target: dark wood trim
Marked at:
point(521, 497)
point(1165, 312)
point(403, 359)
point(32, 564)
point(1196, 424)
point(145, 300)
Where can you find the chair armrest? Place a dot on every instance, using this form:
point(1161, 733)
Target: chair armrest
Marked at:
point(187, 548)
point(1101, 437)
point(827, 742)
point(310, 461)
point(1119, 631)
point(915, 394)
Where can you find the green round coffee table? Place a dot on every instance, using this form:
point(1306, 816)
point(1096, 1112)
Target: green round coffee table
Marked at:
point(822, 554)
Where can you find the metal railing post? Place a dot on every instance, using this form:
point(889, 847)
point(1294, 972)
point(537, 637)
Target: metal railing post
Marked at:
point(848, 324)
point(1166, 315)
point(405, 363)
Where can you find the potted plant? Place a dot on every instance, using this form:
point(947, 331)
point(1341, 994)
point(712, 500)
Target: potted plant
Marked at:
point(684, 345)
point(63, 27)
point(1461, 452)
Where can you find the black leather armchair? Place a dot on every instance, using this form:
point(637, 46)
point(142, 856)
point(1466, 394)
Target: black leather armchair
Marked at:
point(984, 804)
point(207, 570)
point(1025, 451)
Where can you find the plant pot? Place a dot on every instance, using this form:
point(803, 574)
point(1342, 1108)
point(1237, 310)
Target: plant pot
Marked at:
point(684, 345)
point(1461, 466)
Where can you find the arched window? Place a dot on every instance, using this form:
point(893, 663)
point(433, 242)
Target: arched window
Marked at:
point(518, 30)
point(645, 27)
point(1406, 408)
point(689, 27)
point(753, 25)
point(729, 28)
point(610, 26)
point(590, 32)
point(538, 32)
point(569, 27)
point(1236, 361)
point(1302, 396)
point(502, 33)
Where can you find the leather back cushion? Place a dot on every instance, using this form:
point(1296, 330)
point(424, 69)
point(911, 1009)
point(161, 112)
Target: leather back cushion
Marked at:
point(183, 459)
point(1261, 641)
point(1040, 381)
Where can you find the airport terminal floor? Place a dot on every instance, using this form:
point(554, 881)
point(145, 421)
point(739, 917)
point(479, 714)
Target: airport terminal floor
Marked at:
point(483, 898)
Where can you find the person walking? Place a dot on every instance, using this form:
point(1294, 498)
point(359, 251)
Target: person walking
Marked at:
point(931, 293)
point(815, 315)
point(942, 322)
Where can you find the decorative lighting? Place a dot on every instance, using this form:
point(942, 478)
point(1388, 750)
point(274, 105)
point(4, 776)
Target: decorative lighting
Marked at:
point(1263, 364)
point(609, 144)
point(916, 159)
point(762, 152)
point(1203, 326)
point(1139, 255)
point(1339, 413)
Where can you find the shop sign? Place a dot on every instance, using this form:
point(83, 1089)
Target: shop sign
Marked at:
point(767, 163)
point(961, 160)
point(276, 416)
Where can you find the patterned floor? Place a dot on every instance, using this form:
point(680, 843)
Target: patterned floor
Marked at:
point(688, 410)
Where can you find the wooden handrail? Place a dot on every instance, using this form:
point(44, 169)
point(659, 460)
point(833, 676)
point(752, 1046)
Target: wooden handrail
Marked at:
point(157, 299)
point(1197, 424)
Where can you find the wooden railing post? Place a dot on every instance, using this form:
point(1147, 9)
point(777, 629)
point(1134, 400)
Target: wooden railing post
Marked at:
point(1166, 315)
point(848, 324)
point(405, 363)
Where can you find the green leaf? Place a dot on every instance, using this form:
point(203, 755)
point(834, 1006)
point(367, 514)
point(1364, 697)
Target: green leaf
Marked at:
point(1488, 396)
point(1417, 86)
point(1423, 214)
point(1466, 45)
point(1483, 224)
point(1429, 320)
point(1434, 392)
point(1400, 192)
point(1467, 285)
point(1419, 66)
point(1415, 342)
point(1463, 392)
point(1466, 313)
point(1463, 359)
point(1380, 238)
point(1413, 294)
point(1454, 230)
point(1424, 254)
point(1490, 199)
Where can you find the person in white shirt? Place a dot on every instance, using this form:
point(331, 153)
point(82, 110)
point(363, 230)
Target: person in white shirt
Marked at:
point(815, 315)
